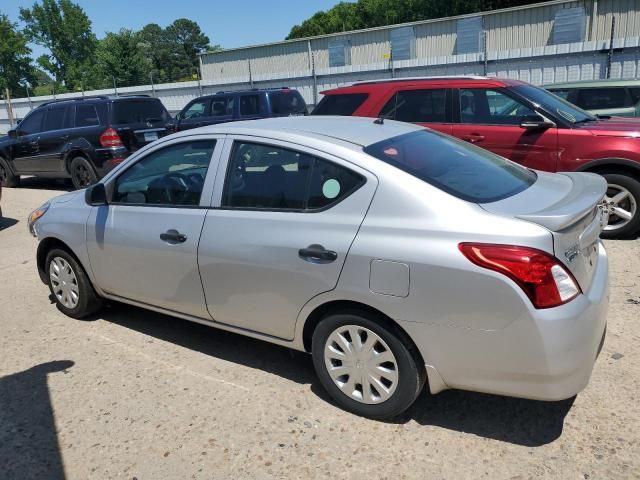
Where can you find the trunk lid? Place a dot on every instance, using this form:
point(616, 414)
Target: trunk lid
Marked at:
point(567, 204)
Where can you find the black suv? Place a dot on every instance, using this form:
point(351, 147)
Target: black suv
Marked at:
point(81, 138)
point(240, 105)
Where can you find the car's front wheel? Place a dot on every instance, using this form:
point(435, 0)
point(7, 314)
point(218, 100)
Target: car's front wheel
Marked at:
point(622, 201)
point(365, 367)
point(68, 282)
point(7, 178)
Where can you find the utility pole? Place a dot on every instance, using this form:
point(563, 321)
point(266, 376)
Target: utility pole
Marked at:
point(115, 87)
point(610, 53)
point(8, 105)
point(153, 88)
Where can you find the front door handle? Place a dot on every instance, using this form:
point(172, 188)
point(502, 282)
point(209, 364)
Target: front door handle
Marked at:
point(317, 254)
point(173, 236)
point(473, 138)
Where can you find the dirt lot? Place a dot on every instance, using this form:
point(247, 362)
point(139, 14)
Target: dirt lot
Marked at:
point(134, 394)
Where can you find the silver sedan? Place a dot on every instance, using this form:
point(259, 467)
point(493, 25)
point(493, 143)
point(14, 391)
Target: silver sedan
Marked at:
point(395, 255)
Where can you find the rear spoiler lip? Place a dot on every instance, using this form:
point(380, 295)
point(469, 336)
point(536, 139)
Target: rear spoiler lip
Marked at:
point(588, 191)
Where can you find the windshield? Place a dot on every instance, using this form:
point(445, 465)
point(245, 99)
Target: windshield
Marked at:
point(554, 104)
point(287, 102)
point(460, 169)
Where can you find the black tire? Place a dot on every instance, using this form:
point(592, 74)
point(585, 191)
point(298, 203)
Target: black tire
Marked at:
point(632, 185)
point(82, 173)
point(7, 178)
point(88, 301)
point(411, 373)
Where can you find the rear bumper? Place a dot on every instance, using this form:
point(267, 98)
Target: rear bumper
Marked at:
point(106, 159)
point(543, 355)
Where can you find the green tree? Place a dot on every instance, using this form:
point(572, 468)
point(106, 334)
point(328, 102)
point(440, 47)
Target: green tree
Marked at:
point(15, 60)
point(187, 40)
point(64, 29)
point(172, 52)
point(120, 55)
point(376, 13)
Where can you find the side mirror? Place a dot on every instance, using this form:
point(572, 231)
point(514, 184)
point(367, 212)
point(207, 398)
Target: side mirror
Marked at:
point(13, 133)
point(535, 122)
point(96, 195)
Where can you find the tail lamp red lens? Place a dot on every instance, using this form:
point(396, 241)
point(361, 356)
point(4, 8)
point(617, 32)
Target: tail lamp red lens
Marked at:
point(110, 138)
point(541, 276)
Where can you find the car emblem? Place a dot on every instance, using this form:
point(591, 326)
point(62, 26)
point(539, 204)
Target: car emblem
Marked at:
point(571, 253)
point(149, 124)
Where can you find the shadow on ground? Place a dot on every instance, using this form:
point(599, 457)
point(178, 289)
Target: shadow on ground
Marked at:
point(40, 183)
point(522, 422)
point(28, 441)
point(6, 222)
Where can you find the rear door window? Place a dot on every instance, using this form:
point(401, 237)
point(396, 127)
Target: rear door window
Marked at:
point(138, 111)
point(417, 106)
point(460, 169)
point(275, 178)
point(221, 106)
point(287, 102)
point(86, 116)
point(249, 105)
point(603, 98)
point(58, 117)
point(340, 104)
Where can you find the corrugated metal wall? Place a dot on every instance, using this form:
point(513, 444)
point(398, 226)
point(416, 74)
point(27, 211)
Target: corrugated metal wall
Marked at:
point(525, 27)
point(627, 13)
point(520, 27)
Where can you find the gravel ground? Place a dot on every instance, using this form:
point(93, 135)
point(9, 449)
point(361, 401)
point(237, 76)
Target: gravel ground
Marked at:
point(133, 394)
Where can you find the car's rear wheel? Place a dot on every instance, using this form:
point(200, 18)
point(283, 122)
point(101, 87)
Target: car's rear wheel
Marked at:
point(68, 282)
point(7, 178)
point(622, 201)
point(82, 173)
point(365, 367)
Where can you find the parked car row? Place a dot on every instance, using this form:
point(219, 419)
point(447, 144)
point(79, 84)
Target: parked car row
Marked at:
point(85, 138)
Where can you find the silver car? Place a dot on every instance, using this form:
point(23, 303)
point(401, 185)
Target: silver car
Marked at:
point(395, 255)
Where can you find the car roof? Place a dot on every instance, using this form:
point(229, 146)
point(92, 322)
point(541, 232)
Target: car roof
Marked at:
point(596, 83)
point(354, 130)
point(366, 86)
point(250, 90)
point(93, 98)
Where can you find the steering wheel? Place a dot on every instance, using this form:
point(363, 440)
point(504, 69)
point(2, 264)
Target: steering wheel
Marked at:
point(184, 185)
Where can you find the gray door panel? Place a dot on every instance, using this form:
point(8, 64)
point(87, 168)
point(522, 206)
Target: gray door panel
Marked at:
point(132, 247)
point(252, 273)
point(130, 260)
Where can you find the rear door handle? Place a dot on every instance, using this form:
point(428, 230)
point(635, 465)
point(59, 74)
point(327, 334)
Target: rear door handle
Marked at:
point(317, 254)
point(173, 237)
point(473, 138)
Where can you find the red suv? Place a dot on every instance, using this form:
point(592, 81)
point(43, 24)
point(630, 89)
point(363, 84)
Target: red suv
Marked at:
point(516, 120)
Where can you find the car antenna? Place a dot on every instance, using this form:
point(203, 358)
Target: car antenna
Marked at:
point(379, 121)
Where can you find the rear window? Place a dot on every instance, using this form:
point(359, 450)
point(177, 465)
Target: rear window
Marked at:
point(138, 111)
point(343, 105)
point(287, 102)
point(462, 170)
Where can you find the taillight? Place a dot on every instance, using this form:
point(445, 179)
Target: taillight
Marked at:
point(110, 138)
point(542, 277)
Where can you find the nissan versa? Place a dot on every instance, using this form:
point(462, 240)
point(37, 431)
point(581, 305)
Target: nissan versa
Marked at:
point(395, 255)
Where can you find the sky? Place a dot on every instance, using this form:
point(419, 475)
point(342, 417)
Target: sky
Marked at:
point(229, 23)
